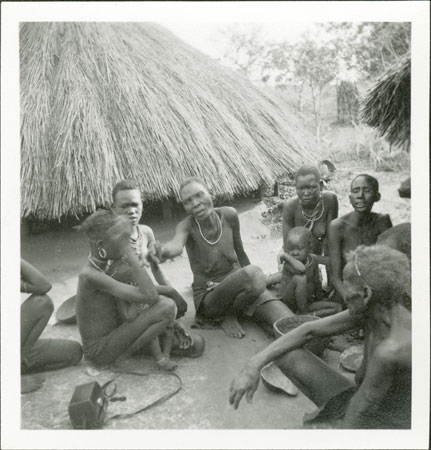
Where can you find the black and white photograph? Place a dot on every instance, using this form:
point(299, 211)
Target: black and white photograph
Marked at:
point(218, 214)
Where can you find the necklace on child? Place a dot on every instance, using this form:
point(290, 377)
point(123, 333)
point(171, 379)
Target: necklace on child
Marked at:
point(202, 235)
point(108, 265)
point(94, 264)
point(315, 215)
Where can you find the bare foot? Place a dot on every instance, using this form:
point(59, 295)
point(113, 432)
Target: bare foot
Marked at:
point(31, 383)
point(183, 338)
point(232, 328)
point(166, 364)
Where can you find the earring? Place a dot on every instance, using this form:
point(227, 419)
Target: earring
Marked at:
point(102, 253)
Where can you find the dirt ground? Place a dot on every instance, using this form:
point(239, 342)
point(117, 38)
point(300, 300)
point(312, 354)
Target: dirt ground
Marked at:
point(203, 401)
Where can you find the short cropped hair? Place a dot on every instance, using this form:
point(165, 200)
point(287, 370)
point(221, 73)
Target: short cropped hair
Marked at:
point(124, 185)
point(98, 223)
point(192, 180)
point(302, 232)
point(385, 270)
point(308, 170)
point(370, 179)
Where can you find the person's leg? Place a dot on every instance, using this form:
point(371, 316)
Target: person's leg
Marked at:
point(312, 376)
point(269, 312)
point(296, 295)
point(53, 354)
point(35, 314)
point(172, 293)
point(324, 309)
point(232, 296)
point(132, 336)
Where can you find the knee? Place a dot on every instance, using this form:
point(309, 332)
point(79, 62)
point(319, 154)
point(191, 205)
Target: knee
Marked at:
point(42, 305)
point(255, 280)
point(167, 309)
point(300, 279)
point(75, 353)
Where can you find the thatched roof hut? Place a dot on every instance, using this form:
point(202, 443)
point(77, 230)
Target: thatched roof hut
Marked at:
point(387, 104)
point(106, 101)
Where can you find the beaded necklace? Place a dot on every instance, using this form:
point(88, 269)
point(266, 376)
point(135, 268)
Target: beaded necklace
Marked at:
point(315, 215)
point(204, 238)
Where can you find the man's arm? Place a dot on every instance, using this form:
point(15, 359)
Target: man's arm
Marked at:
point(374, 388)
point(385, 223)
point(232, 217)
point(247, 381)
point(176, 245)
point(145, 292)
point(335, 262)
point(32, 281)
point(152, 258)
point(288, 220)
point(331, 215)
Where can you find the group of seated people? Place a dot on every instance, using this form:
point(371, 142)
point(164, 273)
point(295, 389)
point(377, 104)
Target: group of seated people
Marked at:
point(125, 304)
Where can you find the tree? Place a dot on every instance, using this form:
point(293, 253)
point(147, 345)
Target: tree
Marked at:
point(245, 50)
point(309, 64)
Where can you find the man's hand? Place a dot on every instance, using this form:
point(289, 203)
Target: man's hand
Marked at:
point(245, 383)
point(153, 259)
point(157, 253)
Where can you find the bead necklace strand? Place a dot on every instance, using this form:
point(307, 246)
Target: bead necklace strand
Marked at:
point(204, 238)
point(311, 218)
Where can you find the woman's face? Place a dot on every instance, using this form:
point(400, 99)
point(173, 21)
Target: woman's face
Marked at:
point(307, 189)
point(362, 195)
point(196, 200)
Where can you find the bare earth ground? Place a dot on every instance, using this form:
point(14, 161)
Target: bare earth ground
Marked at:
point(203, 401)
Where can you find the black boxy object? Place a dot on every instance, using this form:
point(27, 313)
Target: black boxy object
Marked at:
point(88, 406)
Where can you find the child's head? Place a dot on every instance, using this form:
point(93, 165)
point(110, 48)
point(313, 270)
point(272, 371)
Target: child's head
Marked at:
point(376, 274)
point(299, 243)
point(108, 234)
point(364, 192)
point(308, 185)
point(127, 201)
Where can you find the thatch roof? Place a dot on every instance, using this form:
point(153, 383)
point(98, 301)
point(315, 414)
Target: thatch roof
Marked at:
point(106, 101)
point(387, 105)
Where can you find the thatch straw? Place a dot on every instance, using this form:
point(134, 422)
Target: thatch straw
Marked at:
point(106, 101)
point(387, 105)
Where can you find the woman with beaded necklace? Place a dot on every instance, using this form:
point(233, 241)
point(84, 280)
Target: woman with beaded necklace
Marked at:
point(311, 208)
point(225, 284)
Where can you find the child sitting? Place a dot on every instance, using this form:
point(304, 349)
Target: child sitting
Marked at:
point(301, 288)
point(104, 335)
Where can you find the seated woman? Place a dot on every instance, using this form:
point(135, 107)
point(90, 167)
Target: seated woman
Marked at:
point(359, 227)
point(37, 354)
point(105, 336)
point(377, 285)
point(311, 208)
point(225, 284)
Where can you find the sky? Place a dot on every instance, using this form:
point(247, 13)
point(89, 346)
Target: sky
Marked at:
point(208, 38)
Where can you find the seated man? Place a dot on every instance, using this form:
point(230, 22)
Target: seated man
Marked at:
point(225, 284)
point(301, 288)
point(127, 201)
point(376, 281)
point(311, 208)
point(359, 227)
point(40, 354)
point(105, 336)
